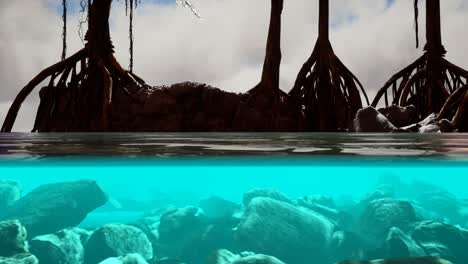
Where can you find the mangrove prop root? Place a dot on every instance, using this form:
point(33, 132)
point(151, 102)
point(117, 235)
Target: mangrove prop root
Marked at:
point(427, 84)
point(327, 93)
point(86, 95)
point(48, 72)
point(430, 81)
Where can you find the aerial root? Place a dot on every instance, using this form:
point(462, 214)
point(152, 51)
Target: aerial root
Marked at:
point(66, 70)
point(426, 86)
point(341, 86)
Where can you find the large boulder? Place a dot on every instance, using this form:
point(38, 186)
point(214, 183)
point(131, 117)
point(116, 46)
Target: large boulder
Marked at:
point(12, 238)
point(10, 192)
point(63, 247)
point(280, 229)
point(217, 207)
point(53, 207)
point(24, 258)
point(382, 214)
point(114, 240)
point(268, 193)
point(399, 116)
point(455, 239)
point(418, 260)
point(369, 120)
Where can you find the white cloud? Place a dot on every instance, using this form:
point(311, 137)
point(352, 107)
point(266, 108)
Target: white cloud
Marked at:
point(226, 48)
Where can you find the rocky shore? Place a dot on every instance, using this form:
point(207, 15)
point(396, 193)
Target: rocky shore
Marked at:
point(393, 224)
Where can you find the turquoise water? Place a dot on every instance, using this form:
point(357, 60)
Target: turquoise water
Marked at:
point(147, 175)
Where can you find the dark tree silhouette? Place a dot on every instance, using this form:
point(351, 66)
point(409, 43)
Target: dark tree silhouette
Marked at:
point(80, 89)
point(325, 91)
point(267, 92)
point(88, 77)
point(431, 83)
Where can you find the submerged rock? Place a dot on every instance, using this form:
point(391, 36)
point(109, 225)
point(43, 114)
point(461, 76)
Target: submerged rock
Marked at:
point(258, 259)
point(189, 235)
point(65, 246)
point(10, 192)
point(53, 207)
point(282, 230)
point(453, 238)
point(419, 260)
point(217, 207)
point(370, 120)
point(399, 245)
point(226, 257)
point(114, 240)
point(399, 116)
point(127, 259)
point(347, 245)
point(24, 258)
point(268, 193)
point(12, 238)
point(179, 229)
point(312, 200)
point(382, 214)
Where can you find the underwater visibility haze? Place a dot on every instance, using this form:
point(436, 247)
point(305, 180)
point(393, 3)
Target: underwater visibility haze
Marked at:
point(222, 198)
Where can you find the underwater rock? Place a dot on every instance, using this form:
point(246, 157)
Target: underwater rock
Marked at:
point(258, 259)
point(10, 192)
point(382, 214)
point(24, 258)
point(268, 193)
point(217, 207)
point(149, 225)
point(399, 245)
point(53, 207)
point(127, 259)
point(437, 249)
point(370, 120)
point(347, 245)
point(65, 246)
point(188, 235)
point(224, 256)
point(282, 230)
point(419, 260)
point(180, 228)
point(114, 240)
point(12, 238)
point(318, 199)
point(452, 237)
point(399, 116)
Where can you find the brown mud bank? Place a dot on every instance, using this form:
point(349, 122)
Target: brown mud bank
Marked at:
point(182, 107)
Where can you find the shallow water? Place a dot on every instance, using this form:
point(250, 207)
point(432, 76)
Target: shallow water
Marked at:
point(147, 172)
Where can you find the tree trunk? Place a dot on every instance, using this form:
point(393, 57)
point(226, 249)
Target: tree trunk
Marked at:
point(324, 89)
point(433, 28)
point(271, 66)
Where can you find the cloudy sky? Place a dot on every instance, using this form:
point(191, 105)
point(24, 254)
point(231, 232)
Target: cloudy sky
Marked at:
point(374, 38)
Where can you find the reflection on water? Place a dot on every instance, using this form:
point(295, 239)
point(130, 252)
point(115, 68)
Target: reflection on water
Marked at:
point(232, 144)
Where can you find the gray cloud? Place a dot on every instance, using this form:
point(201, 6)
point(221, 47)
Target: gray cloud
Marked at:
point(226, 48)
